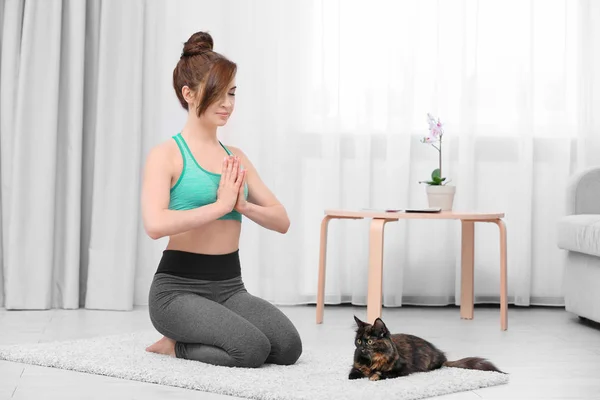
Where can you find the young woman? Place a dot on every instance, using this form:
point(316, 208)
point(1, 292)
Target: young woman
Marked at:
point(195, 191)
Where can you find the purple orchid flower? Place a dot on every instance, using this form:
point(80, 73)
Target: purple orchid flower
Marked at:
point(435, 128)
point(434, 138)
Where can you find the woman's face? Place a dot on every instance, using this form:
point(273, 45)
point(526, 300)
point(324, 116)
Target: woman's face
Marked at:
point(218, 113)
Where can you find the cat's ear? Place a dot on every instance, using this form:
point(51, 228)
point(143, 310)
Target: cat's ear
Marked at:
point(360, 323)
point(380, 328)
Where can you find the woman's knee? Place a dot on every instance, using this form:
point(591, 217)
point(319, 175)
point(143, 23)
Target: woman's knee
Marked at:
point(288, 348)
point(253, 352)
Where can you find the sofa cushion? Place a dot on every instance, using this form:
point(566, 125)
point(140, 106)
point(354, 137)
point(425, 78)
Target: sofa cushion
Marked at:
point(580, 233)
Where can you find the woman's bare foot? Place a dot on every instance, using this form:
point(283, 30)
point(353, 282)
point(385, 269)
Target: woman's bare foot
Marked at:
point(163, 346)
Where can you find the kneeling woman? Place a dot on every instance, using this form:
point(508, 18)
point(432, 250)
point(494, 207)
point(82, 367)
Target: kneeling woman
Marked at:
point(195, 191)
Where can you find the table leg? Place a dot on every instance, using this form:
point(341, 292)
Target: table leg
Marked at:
point(467, 270)
point(503, 276)
point(374, 290)
point(322, 259)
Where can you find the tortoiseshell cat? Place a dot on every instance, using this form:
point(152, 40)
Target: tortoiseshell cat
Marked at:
point(381, 355)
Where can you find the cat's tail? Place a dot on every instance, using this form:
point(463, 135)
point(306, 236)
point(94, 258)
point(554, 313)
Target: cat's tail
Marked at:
point(473, 363)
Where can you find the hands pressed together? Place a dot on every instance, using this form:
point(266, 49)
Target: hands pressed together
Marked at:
point(231, 186)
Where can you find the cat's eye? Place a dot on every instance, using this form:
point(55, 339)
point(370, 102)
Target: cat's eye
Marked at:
point(369, 341)
point(358, 341)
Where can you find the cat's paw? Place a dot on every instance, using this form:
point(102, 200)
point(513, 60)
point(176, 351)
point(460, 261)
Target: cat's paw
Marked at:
point(375, 377)
point(355, 374)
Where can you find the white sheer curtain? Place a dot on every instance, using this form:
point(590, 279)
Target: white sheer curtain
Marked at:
point(332, 102)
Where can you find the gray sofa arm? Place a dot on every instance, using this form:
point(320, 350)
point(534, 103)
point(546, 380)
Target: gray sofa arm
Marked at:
point(583, 192)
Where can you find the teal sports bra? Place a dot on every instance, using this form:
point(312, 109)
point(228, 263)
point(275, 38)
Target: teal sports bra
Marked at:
point(197, 187)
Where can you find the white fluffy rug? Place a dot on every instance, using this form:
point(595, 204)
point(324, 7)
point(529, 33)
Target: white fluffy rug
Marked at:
point(315, 375)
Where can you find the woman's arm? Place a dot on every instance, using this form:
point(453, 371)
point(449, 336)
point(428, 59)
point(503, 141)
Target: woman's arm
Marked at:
point(262, 206)
point(158, 220)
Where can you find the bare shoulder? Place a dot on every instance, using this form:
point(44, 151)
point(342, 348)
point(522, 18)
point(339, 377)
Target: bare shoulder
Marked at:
point(236, 151)
point(166, 148)
point(163, 154)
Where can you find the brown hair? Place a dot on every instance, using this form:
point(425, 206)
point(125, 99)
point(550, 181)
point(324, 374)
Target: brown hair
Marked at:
point(200, 65)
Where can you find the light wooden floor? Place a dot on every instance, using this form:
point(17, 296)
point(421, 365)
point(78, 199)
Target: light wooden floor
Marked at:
point(549, 353)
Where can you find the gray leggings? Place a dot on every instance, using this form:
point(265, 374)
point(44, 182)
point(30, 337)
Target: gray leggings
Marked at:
point(220, 323)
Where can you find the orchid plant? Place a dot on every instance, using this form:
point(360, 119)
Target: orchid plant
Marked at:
point(434, 138)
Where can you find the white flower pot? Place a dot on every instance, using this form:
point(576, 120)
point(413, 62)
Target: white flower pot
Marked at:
point(441, 196)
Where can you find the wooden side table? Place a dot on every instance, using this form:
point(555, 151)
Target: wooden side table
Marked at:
point(379, 219)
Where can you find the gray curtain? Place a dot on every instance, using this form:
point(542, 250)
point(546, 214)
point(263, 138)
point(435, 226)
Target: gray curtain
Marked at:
point(73, 76)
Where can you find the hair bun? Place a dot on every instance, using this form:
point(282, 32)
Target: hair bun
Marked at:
point(198, 43)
